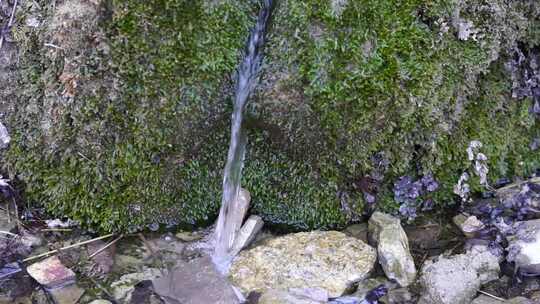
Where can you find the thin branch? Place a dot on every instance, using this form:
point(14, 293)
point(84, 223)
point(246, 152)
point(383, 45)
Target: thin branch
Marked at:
point(56, 230)
point(491, 296)
point(10, 22)
point(8, 233)
point(53, 46)
point(106, 246)
point(12, 14)
point(67, 247)
point(17, 218)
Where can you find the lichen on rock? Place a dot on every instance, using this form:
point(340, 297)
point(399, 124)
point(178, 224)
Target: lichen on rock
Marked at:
point(329, 261)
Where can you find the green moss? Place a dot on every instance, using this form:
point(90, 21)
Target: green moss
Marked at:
point(145, 137)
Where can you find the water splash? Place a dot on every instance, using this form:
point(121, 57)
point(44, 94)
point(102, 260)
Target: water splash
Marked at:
point(230, 218)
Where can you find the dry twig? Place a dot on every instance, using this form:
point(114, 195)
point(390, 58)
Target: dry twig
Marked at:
point(67, 247)
point(106, 246)
point(9, 24)
point(491, 296)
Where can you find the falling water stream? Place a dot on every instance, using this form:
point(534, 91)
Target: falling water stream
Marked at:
point(229, 220)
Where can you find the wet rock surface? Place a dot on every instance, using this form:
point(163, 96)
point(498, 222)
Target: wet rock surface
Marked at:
point(392, 248)
point(194, 282)
point(327, 260)
point(67, 294)
point(123, 288)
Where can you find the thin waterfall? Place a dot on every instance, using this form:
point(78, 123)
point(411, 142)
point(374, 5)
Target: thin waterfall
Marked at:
point(231, 213)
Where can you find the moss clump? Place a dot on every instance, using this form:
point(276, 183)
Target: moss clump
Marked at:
point(127, 125)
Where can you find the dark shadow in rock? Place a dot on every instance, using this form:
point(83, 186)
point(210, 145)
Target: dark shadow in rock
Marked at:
point(142, 292)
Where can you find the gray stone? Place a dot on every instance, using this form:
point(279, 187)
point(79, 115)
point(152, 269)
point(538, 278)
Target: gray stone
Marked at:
point(100, 301)
point(194, 282)
point(329, 260)
point(524, 248)
point(228, 226)
point(66, 295)
point(51, 273)
point(247, 233)
point(392, 248)
point(456, 279)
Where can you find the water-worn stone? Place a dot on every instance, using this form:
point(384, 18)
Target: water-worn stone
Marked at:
point(67, 295)
point(294, 296)
point(456, 279)
point(329, 260)
point(51, 273)
point(100, 301)
point(524, 247)
point(247, 233)
point(392, 248)
point(193, 282)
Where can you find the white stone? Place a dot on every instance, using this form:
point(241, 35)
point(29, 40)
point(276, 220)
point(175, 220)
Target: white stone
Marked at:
point(247, 233)
point(526, 246)
point(392, 248)
point(456, 279)
point(4, 137)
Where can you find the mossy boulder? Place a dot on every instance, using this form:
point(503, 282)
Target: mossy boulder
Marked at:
point(122, 108)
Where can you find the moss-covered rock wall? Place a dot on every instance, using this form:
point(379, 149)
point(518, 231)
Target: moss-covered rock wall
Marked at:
point(122, 108)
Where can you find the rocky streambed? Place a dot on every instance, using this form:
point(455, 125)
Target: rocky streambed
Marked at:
point(439, 259)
